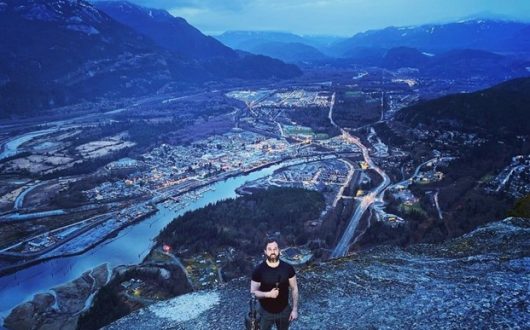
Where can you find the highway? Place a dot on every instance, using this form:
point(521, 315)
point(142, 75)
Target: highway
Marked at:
point(366, 201)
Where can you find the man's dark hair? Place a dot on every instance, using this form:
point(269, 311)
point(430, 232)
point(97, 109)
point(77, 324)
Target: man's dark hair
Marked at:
point(270, 240)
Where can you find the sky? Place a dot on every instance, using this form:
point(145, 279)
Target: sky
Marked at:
point(332, 17)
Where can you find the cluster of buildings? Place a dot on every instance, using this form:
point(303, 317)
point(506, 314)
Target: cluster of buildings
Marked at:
point(429, 176)
point(173, 165)
point(45, 242)
point(325, 176)
point(393, 220)
point(128, 188)
point(404, 195)
point(250, 97)
point(135, 212)
point(338, 144)
point(513, 179)
point(203, 270)
point(298, 98)
point(447, 138)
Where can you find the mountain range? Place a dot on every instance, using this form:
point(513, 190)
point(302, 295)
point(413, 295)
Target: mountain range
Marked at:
point(286, 46)
point(59, 52)
point(453, 64)
point(488, 35)
point(63, 51)
point(471, 47)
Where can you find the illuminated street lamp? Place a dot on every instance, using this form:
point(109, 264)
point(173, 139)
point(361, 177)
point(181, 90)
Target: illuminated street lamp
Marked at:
point(166, 248)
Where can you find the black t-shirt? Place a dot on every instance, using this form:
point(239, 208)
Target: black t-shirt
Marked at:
point(268, 277)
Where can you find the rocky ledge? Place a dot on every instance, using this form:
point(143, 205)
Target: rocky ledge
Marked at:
point(61, 306)
point(480, 280)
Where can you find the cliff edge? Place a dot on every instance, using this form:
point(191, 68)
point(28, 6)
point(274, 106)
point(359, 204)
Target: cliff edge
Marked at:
point(478, 280)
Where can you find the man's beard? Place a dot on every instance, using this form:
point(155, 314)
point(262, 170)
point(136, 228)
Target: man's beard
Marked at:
point(272, 258)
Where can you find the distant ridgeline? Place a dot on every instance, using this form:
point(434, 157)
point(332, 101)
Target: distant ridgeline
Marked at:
point(480, 34)
point(288, 47)
point(60, 52)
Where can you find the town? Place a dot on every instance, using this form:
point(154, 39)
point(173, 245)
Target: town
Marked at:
point(68, 187)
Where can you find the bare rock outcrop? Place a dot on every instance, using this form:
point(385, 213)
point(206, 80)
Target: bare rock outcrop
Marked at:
point(479, 280)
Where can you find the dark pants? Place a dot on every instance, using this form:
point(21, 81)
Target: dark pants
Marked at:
point(281, 319)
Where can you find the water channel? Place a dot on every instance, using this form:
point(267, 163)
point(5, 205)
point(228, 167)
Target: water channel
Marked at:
point(10, 148)
point(130, 246)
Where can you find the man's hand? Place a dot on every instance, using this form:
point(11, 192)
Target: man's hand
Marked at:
point(273, 293)
point(294, 315)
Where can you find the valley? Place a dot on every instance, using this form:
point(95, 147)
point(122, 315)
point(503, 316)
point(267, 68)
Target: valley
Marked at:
point(141, 159)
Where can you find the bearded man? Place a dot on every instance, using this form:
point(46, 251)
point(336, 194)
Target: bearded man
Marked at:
point(271, 281)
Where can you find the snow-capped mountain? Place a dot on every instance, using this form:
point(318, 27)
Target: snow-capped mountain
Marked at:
point(489, 35)
point(55, 52)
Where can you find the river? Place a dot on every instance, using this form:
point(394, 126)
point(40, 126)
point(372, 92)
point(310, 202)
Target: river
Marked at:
point(130, 246)
point(10, 148)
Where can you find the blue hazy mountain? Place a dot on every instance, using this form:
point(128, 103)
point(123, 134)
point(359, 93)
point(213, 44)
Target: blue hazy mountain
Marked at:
point(291, 52)
point(176, 35)
point(246, 39)
point(462, 63)
point(288, 47)
point(405, 57)
point(167, 31)
point(488, 35)
point(455, 64)
point(58, 52)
